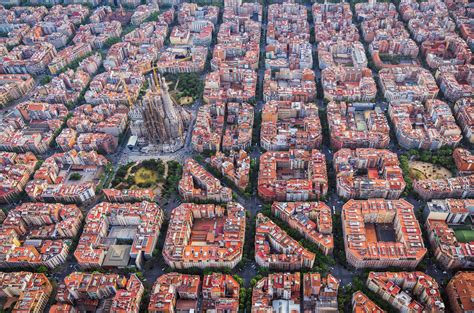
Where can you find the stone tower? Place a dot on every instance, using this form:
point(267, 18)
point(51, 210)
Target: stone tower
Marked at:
point(164, 122)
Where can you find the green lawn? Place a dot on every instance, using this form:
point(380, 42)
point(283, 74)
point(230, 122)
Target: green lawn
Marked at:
point(144, 175)
point(464, 235)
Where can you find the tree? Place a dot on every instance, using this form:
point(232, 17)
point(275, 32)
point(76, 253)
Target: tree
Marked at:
point(75, 176)
point(153, 17)
point(111, 41)
point(253, 282)
point(239, 279)
point(139, 275)
point(45, 80)
point(42, 269)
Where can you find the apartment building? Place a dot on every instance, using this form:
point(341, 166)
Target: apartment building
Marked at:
point(230, 84)
point(373, 10)
point(238, 44)
point(460, 292)
point(106, 223)
point(35, 234)
point(285, 84)
point(275, 249)
point(407, 83)
point(311, 219)
point(357, 125)
point(428, 21)
point(235, 167)
point(287, 42)
point(464, 161)
point(277, 292)
point(223, 126)
point(456, 81)
point(31, 290)
point(142, 12)
point(400, 289)
point(30, 126)
point(28, 59)
point(69, 139)
point(442, 217)
point(182, 59)
point(320, 293)
point(94, 291)
point(295, 292)
point(105, 118)
point(198, 184)
point(424, 126)
point(196, 24)
point(294, 175)
point(397, 52)
point(15, 172)
point(348, 84)
point(188, 243)
point(13, 87)
point(381, 233)
point(68, 55)
point(343, 53)
point(66, 88)
point(52, 181)
point(150, 33)
point(453, 50)
point(290, 125)
point(333, 21)
point(109, 87)
point(368, 173)
point(455, 187)
point(464, 113)
point(220, 293)
point(362, 304)
point(97, 33)
point(173, 291)
point(460, 13)
point(129, 195)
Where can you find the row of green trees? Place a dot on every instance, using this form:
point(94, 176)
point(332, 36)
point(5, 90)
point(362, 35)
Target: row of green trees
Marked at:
point(75, 64)
point(253, 178)
point(105, 178)
point(175, 171)
point(442, 157)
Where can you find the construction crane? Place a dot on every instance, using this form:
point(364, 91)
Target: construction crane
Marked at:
point(125, 87)
point(155, 78)
point(154, 67)
point(156, 81)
